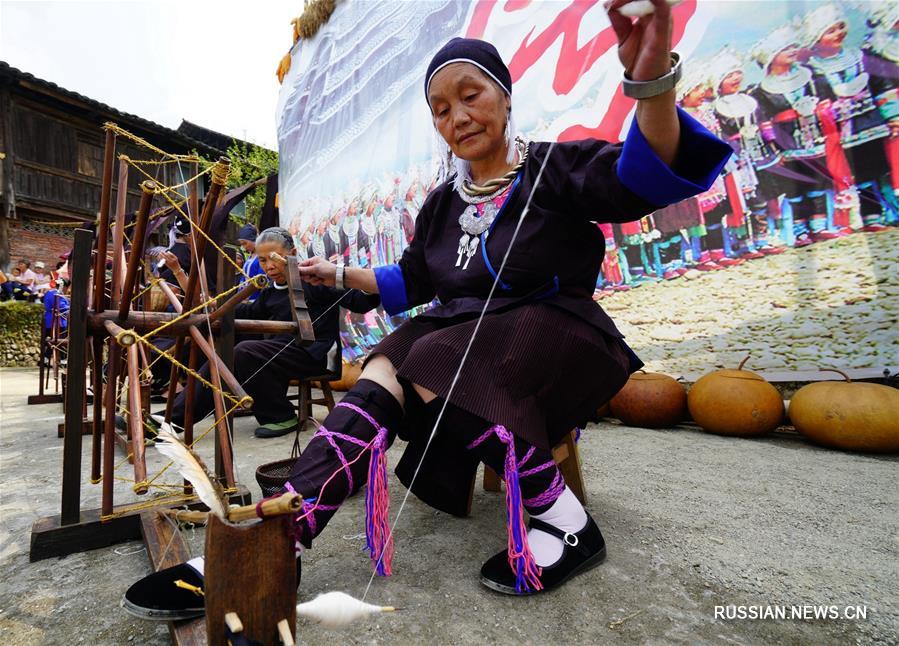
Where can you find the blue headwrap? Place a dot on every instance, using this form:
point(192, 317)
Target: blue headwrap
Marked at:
point(247, 232)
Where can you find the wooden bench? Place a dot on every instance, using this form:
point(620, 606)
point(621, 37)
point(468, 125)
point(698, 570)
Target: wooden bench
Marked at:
point(304, 397)
point(568, 459)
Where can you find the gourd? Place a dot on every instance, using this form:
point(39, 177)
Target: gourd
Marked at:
point(349, 375)
point(735, 402)
point(848, 415)
point(650, 400)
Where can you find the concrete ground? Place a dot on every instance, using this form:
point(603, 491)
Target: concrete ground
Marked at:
point(693, 521)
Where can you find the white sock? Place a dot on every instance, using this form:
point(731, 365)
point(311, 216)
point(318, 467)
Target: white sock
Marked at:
point(567, 514)
point(197, 563)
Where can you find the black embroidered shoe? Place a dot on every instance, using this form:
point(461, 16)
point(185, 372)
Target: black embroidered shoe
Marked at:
point(173, 594)
point(582, 551)
point(168, 595)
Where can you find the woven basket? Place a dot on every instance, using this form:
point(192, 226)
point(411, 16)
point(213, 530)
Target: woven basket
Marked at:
point(272, 476)
point(158, 300)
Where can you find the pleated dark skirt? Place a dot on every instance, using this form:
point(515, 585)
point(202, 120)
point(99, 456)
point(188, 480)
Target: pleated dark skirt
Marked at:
point(536, 369)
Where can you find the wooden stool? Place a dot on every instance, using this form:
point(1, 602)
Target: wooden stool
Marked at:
point(568, 460)
point(305, 400)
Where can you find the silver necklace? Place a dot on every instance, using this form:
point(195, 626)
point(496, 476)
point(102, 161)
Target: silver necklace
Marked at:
point(474, 223)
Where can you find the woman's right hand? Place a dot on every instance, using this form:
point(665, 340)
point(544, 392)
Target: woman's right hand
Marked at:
point(318, 271)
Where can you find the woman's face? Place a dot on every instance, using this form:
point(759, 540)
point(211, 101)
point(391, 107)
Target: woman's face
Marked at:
point(695, 97)
point(469, 111)
point(834, 36)
point(274, 269)
point(786, 57)
point(732, 82)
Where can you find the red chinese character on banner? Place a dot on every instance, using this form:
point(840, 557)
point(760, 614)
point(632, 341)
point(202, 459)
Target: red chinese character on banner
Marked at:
point(573, 61)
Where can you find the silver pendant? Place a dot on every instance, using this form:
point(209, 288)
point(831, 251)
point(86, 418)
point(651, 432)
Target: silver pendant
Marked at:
point(463, 247)
point(468, 246)
point(474, 223)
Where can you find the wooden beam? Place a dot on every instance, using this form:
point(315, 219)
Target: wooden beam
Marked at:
point(86, 428)
point(97, 406)
point(109, 434)
point(149, 321)
point(51, 538)
point(306, 333)
point(66, 174)
point(8, 189)
point(135, 420)
point(137, 247)
point(193, 278)
point(75, 383)
point(103, 226)
point(224, 354)
point(118, 236)
point(166, 548)
point(45, 399)
point(37, 206)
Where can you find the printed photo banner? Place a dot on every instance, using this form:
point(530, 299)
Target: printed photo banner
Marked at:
point(805, 92)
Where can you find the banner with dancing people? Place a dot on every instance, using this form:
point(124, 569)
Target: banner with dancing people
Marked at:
point(805, 91)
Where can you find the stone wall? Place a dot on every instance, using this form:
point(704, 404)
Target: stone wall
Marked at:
point(20, 333)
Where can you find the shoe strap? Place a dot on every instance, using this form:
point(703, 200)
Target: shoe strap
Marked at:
point(568, 538)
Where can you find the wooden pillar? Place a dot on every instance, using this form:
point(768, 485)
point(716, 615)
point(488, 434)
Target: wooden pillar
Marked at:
point(225, 350)
point(103, 226)
point(148, 189)
point(9, 186)
point(118, 235)
point(109, 400)
point(75, 382)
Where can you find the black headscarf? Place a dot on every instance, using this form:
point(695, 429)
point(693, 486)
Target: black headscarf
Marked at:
point(479, 53)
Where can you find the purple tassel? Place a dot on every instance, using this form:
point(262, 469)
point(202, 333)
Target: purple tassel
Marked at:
point(378, 538)
point(521, 559)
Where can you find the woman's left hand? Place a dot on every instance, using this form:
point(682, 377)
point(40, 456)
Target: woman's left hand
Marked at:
point(644, 44)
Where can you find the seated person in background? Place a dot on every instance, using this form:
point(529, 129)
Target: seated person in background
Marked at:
point(23, 288)
point(179, 249)
point(56, 304)
point(41, 278)
point(246, 238)
point(56, 299)
point(11, 285)
point(172, 265)
point(265, 367)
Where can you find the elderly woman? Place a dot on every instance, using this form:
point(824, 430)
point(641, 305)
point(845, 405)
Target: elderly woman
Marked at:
point(279, 354)
point(544, 356)
point(508, 387)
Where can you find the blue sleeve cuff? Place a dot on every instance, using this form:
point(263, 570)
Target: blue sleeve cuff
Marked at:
point(392, 287)
point(700, 158)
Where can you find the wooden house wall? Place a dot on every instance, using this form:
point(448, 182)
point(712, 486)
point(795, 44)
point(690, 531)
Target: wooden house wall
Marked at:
point(59, 162)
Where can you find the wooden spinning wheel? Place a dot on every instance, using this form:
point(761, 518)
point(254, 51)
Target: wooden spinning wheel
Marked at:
point(109, 317)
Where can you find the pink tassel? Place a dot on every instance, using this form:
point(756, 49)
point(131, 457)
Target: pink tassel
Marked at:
point(377, 508)
point(521, 559)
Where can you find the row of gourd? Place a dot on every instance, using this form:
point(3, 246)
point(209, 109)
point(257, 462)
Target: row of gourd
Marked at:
point(840, 414)
point(846, 415)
